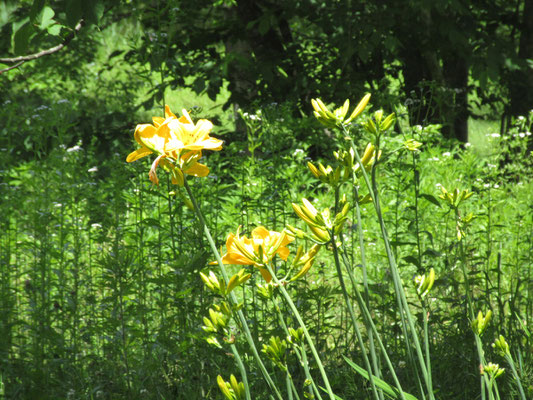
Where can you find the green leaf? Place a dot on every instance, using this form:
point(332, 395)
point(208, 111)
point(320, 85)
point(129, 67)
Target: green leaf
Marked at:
point(74, 12)
point(46, 18)
point(7, 9)
point(93, 11)
point(430, 198)
point(326, 391)
point(21, 38)
point(412, 260)
point(54, 30)
point(390, 391)
point(36, 9)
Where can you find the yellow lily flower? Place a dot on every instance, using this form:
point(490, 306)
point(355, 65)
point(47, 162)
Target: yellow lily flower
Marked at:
point(258, 250)
point(177, 142)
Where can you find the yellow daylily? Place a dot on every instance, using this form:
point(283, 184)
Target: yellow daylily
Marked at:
point(177, 142)
point(258, 250)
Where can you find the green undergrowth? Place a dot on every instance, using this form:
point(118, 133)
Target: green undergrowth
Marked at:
point(101, 295)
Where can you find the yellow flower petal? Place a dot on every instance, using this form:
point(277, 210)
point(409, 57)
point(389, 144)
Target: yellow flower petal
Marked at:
point(198, 170)
point(139, 153)
point(168, 113)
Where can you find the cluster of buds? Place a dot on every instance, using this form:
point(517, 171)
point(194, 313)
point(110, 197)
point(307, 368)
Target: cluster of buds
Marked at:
point(275, 350)
point(378, 124)
point(218, 323)
point(481, 322)
point(492, 370)
point(327, 174)
point(424, 283)
point(320, 223)
point(303, 261)
point(218, 286)
point(266, 291)
point(455, 198)
point(295, 336)
point(501, 346)
point(337, 117)
point(350, 164)
point(412, 145)
point(231, 390)
point(462, 223)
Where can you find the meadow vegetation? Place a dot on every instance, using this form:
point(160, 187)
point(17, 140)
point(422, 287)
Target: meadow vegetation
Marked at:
point(395, 261)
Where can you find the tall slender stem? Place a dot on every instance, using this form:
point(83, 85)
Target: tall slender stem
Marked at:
point(402, 300)
point(298, 317)
point(233, 299)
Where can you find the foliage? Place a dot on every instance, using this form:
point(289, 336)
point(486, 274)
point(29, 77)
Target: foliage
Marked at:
point(105, 283)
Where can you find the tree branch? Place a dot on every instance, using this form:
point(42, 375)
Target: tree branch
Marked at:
point(22, 59)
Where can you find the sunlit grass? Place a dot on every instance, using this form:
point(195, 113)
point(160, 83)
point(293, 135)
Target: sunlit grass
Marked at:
point(478, 132)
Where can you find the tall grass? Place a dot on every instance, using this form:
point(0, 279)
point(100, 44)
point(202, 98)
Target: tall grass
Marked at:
point(101, 295)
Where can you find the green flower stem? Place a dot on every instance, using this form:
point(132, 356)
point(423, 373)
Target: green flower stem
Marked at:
point(370, 322)
point(304, 328)
point(288, 381)
point(484, 380)
point(301, 356)
point(373, 356)
point(404, 306)
point(425, 318)
point(233, 299)
point(305, 363)
point(510, 361)
point(352, 314)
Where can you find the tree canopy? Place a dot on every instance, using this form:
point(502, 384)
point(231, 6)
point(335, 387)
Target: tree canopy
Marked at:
point(440, 57)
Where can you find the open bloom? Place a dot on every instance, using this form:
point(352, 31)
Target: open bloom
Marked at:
point(258, 250)
point(178, 143)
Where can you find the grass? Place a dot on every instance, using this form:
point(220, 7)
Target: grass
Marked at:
point(478, 132)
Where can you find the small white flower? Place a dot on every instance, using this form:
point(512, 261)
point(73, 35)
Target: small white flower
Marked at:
point(491, 165)
point(58, 205)
point(496, 186)
point(73, 149)
point(93, 169)
point(438, 185)
point(522, 134)
point(495, 135)
point(468, 144)
point(433, 159)
point(486, 185)
point(446, 154)
point(528, 133)
point(96, 226)
point(521, 118)
point(297, 151)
